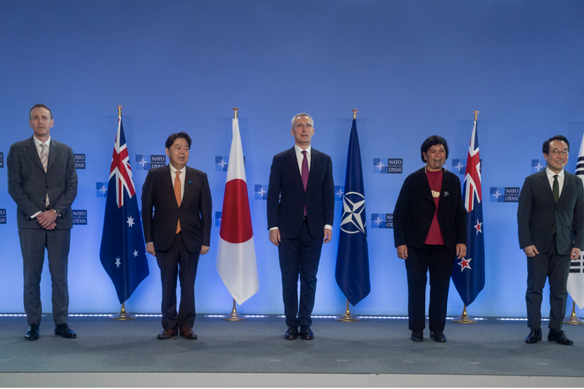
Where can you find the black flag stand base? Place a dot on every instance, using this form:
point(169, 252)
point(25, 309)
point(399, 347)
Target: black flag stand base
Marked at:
point(573, 319)
point(347, 317)
point(464, 319)
point(234, 316)
point(123, 315)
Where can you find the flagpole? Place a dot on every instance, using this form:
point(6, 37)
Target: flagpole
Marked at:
point(573, 317)
point(463, 318)
point(123, 315)
point(347, 317)
point(234, 316)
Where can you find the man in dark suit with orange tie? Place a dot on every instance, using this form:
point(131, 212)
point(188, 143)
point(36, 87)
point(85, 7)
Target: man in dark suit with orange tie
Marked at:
point(176, 215)
point(300, 217)
point(42, 180)
point(550, 217)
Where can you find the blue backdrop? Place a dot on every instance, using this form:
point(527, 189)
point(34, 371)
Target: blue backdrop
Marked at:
point(412, 68)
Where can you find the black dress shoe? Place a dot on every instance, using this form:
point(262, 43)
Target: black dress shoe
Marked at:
point(534, 336)
point(65, 331)
point(306, 333)
point(417, 336)
point(438, 336)
point(291, 333)
point(558, 336)
point(32, 333)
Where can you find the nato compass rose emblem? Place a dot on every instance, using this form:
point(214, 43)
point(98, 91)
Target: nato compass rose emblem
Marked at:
point(142, 162)
point(353, 219)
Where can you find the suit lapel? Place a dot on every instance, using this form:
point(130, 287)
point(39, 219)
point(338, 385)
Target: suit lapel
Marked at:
point(52, 154)
point(543, 180)
point(314, 164)
point(568, 188)
point(33, 153)
point(168, 183)
point(423, 189)
point(294, 165)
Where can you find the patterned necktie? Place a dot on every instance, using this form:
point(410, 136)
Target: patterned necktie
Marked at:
point(177, 195)
point(556, 189)
point(44, 160)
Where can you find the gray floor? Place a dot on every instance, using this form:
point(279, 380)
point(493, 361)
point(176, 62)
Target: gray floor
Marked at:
point(381, 347)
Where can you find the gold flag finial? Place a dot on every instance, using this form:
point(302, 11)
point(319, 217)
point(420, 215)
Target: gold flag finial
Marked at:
point(476, 114)
point(235, 112)
point(355, 113)
point(120, 110)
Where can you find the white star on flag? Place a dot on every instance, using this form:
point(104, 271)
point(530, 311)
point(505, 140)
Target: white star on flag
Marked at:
point(118, 263)
point(130, 221)
point(135, 253)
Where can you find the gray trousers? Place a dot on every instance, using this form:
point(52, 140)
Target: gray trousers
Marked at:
point(33, 242)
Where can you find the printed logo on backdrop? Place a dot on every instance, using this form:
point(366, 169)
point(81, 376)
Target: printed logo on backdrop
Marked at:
point(381, 220)
point(260, 192)
point(388, 165)
point(339, 192)
point(1, 159)
point(218, 219)
point(537, 165)
point(221, 164)
point(79, 161)
point(504, 194)
point(101, 189)
point(458, 166)
point(2, 216)
point(147, 162)
point(80, 216)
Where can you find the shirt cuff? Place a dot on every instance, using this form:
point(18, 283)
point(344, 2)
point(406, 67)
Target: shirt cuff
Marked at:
point(328, 227)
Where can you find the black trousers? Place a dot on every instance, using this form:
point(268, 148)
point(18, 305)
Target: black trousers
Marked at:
point(299, 258)
point(556, 268)
point(178, 261)
point(439, 261)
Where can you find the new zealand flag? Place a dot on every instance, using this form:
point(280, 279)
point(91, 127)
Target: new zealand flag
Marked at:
point(123, 253)
point(469, 273)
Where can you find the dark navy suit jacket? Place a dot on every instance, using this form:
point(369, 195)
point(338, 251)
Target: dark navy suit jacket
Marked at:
point(195, 210)
point(287, 198)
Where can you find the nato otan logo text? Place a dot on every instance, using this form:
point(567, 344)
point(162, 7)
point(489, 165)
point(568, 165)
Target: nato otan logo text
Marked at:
point(260, 192)
point(388, 165)
point(501, 194)
point(1, 159)
point(381, 220)
point(2, 216)
point(147, 162)
point(79, 216)
point(101, 189)
point(79, 161)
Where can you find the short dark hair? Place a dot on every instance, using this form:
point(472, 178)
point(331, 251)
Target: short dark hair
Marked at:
point(175, 136)
point(39, 106)
point(433, 141)
point(546, 145)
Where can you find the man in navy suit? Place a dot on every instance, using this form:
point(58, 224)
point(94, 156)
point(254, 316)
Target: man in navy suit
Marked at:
point(300, 217)
point(550, 217)
point(176, 217)
point(42, 180)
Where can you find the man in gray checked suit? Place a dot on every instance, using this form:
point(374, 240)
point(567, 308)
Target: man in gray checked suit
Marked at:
point(551, 233)
point(42, 180)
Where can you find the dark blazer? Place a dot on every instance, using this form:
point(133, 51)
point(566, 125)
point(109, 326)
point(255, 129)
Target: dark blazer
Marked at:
point(286, 196)
point(160, 211)
point(28, 183)
point(415, 210)
point(538, 214)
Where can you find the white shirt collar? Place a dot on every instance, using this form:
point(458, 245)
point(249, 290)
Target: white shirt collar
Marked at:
point(551, 174)
point(299, 149)
point(37, 142)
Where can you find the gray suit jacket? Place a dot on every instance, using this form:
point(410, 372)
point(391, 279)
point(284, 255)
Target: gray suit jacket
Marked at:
point(28, 183)
point(538, 214)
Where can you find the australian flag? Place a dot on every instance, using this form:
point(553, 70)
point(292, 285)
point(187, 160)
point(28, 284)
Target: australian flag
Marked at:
point(352, 272)
point(469, 272)
point(123, 253)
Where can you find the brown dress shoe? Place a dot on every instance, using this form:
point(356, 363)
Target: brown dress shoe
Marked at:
point(167, 334)
point(187, 333)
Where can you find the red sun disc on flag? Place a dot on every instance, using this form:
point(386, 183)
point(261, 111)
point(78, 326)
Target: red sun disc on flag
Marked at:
point(235, 218)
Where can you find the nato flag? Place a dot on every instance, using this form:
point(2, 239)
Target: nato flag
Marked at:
point(123, 253)
point(352, 272)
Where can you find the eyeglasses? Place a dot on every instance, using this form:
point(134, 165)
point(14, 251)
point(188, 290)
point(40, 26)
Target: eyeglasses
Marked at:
point(557, 152)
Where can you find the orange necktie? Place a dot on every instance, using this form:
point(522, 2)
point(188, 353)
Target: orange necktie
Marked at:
point(178, 196)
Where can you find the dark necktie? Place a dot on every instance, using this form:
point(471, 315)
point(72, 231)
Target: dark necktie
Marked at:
point(177, 195)
point(556, 189)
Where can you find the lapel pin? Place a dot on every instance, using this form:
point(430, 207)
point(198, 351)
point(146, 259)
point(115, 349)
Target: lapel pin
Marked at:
point(446, 194)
